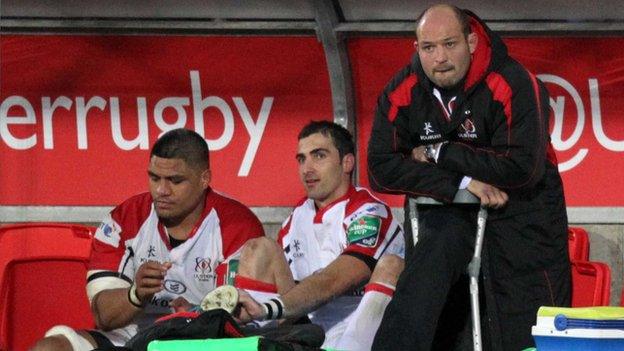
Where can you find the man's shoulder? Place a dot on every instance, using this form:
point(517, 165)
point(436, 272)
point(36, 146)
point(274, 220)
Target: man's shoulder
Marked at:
point(363, 200)
point(138, 206)
point(228, 208)
point(364, 195)
point(510, 75)
point(403, 79)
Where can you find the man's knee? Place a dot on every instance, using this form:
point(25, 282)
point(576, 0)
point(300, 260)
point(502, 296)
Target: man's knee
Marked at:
point(63, 338)
point(258, 252)
point(388, 269)
point(259, 248)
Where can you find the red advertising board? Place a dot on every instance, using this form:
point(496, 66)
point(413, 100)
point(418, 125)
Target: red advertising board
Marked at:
point(79, 113)
point(585, 86)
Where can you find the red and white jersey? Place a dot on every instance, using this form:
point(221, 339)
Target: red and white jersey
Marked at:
point(132, 234)
point(357, 224)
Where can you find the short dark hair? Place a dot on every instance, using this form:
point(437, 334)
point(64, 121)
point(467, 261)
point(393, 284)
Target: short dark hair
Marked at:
point(343, 140)
point(462, 17)
point(183, 144)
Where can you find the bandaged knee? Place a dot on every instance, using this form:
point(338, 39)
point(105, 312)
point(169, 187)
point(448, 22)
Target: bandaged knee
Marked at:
point(77, 341)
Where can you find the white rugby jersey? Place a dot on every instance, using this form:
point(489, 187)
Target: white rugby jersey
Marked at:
point(132, 234)
point(356, 224)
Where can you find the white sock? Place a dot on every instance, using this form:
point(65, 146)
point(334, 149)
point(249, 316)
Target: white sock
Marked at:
point(365, 320)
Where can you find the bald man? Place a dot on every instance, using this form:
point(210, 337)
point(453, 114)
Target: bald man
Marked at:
point(465, 115)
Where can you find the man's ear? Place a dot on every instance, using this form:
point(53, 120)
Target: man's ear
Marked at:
point(472, 42)
point(416, 45)
point(206, 177)
point(348, 163)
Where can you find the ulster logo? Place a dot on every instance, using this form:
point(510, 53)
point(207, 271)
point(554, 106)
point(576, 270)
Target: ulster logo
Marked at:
point(467, 130)
point(203, 269)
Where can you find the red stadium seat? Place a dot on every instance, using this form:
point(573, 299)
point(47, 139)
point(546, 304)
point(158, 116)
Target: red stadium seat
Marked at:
point(591, 284)
point(42, 280)
point(578, 244)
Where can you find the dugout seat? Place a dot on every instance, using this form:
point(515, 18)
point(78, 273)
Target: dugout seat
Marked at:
point(578, 244)
point(591, 284)
point(42, 280)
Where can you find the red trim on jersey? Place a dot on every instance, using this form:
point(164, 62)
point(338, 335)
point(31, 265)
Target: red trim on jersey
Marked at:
point(401, 96)
point(247, 283)
point(238, 224)
point(184, 314)
point(379, 288)
point(501, 92)
point(286, 228)
point(481, 57)
point(283, 232)
point(318, 218)
point(129, 215)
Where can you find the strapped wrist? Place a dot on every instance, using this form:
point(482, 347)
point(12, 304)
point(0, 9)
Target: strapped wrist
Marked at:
point(133, 297)
point(273, 309)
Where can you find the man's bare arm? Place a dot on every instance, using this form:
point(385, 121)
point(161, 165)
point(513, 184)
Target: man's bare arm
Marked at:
point(341, 276)
point(113, 309)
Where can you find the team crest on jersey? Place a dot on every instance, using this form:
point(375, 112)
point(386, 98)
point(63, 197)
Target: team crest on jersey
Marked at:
point(203, 269)
point(467, 129)
point(364, 231)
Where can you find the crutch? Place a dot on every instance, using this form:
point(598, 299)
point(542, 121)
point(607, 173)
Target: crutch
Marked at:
point(474, 267)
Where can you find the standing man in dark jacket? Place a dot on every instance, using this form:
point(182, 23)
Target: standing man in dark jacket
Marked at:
point(465, 115)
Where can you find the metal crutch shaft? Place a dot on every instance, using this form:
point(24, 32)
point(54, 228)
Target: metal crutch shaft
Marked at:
point(474, 268)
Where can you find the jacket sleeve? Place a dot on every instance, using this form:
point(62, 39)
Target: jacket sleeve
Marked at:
point(390, 167)
point(516, 158)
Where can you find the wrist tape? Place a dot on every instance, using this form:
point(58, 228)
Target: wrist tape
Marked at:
point(274, 308)
point(133, 298)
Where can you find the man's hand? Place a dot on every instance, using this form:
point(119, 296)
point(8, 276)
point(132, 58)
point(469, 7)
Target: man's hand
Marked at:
point(180, 304)
point(418, 154)
point(149, 279)
point(250, 309)
point(489, 195)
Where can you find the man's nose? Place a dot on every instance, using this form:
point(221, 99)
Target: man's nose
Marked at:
point(163, 188)
point(307, 166)
point(440, 55)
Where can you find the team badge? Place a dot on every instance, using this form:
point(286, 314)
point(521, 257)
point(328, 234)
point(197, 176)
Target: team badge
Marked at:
point(364, 231)
point(467, 129)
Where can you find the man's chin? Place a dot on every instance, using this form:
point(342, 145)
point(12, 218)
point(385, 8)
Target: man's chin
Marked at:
point(166, 216)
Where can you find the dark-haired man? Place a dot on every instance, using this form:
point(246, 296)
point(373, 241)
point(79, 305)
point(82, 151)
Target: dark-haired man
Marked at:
point(336, 240)
point(464, 114)
point(173, 243)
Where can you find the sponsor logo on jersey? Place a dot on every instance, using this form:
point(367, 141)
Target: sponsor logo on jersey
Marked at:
point(106, 229)
point(108, 232)
point(232, 270)
point(372, 209)
point(297, 246)
point(364, 231)
point(203, 269)
point(160, 302)
point(174, 286)
point(151, 252)
point(294, 250)
point(429, 133)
